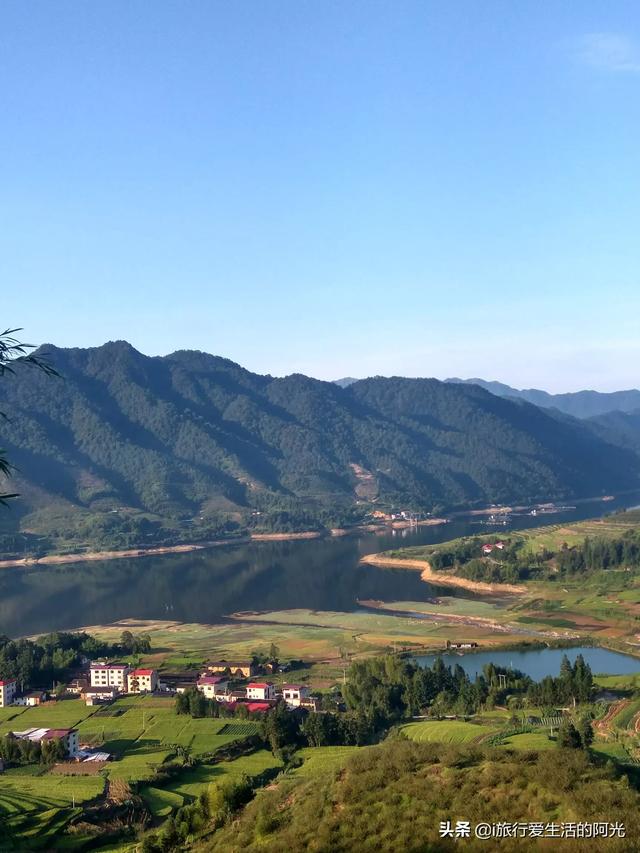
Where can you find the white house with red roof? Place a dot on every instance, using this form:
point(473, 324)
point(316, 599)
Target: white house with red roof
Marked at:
point(109, 675)
point(212, 685)
point(500, 546)
point(142, 681)
point(487, 549)
point(7, 692)
point(261, 690)
point(295, 694)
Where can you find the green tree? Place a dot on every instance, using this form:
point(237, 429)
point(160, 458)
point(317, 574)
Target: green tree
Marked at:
point(13, 355)
point(568, 736)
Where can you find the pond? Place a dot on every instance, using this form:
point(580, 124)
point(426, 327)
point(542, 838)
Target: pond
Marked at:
point(537, 663)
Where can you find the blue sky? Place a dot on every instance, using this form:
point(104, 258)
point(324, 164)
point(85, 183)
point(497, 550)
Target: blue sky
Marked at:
point(337, 188)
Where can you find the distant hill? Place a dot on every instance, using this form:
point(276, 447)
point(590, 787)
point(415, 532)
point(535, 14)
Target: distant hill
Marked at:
point(580, 404)
point(344, 383)
point(620, 428)
point(125, 442)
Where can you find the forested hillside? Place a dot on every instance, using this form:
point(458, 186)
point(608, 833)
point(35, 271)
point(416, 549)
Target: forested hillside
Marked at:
point(578, 404)
point(123, 445)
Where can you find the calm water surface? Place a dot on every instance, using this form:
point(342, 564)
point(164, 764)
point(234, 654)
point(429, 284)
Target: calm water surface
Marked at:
point(537, 663)
point(205, 586)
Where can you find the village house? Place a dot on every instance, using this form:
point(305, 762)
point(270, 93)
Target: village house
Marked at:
point(487, 549)
point(237, 668)
point(295, 694)
point(500, 546)
point(212, 685)
point(231, 696)
point(7, 692)
point(77, 686)
point(264, 691)
point(35, 697)
point(69, 737)
point(142, 681)
point(99, 695)
point(109, 675)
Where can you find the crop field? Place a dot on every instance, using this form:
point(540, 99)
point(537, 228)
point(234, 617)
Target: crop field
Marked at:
point(447, 731)
point(618, 682)
point(54, 715)
point(322, 758)
point(143, 731)
point(624, 719)
point(35, 808)
point(192, 782)
point(528, 740)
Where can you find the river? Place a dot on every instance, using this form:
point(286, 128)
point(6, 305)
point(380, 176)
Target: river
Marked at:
point(205, 586)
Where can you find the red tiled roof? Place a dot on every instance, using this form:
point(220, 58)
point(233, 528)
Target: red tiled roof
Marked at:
point(257, 706)
point(7, 683)
point(142, 672)
point(212, 679)
point(259, 685)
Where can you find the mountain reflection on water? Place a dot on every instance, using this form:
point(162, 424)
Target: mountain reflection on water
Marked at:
point(204, 586)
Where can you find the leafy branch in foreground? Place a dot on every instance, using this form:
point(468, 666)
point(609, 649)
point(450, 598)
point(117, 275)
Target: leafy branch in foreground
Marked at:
point(14, 354)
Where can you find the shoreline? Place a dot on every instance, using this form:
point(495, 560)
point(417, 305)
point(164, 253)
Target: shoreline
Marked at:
point(441, 578)
point(427, 576)
point(184, 548)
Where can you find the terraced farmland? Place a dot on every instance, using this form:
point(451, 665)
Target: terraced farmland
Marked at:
point(191, 783)
point(33, 809)
point(447, 731)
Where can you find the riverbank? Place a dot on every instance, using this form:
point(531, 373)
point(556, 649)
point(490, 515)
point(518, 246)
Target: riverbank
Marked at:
point(91, 556)
point(442, 578)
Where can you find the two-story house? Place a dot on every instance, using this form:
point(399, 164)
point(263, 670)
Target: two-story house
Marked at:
point(295, 694)
point(263, 691)
point(212, 685)
point(142, 681)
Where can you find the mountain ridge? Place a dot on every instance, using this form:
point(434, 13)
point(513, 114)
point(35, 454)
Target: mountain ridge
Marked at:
point(124, 440)
point(579, 404)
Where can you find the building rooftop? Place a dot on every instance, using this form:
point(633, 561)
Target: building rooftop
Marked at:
point(261, 685)
point(142, 672)
point(7, 682)
point(212, 679)
point(258, 706)
point(50, 734)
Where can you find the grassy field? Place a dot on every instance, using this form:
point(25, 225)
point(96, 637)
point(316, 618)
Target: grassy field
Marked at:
point(34, 809)
point(189, 785)
point(55, 715)
point(320, 758)
point(143, 731)
point(528, 740)
point(447, 731)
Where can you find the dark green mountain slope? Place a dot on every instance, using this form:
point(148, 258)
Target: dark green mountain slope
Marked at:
point(193, 439)
point(619, 428)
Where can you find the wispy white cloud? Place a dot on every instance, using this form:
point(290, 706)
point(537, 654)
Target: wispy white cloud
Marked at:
point(609, 52)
